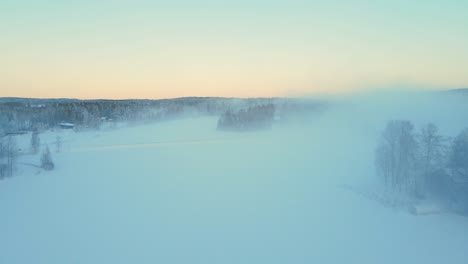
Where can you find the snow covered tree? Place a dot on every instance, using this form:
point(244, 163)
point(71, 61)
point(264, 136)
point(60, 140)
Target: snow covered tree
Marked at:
point(2, 148)
point(252, 118)
point(458, 164)
point(431, 147)
point(35, 142)
point(431, 157)
point(58, 144)
point(11, 151)
point(226, 120)
point(46, 160)
point(3, 167)
point(396, 155)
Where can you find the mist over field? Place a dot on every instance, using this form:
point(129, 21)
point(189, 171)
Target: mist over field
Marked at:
point(233, 132)
point(235, 183)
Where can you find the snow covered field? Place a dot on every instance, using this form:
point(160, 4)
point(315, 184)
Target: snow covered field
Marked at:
point(181, 192)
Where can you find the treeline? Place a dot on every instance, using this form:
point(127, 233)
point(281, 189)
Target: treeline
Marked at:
point(29, 114)
point(424, 164)
point(23, 115)
point(252, 118)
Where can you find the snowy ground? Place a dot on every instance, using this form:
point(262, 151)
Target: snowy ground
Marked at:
point(181, 192)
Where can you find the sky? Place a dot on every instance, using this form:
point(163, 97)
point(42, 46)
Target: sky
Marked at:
point(246, 48)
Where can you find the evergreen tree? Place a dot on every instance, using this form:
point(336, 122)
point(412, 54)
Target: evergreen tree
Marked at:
point(46, 160)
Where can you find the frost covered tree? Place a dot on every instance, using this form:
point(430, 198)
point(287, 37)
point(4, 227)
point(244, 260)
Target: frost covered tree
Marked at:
point(2, 148)
point(35, 142)
point(46, 160)
point(11, 152)
point(3, 167)
point(458, 162)
point(431, 157)
point(431, 148)
point(396, 155)
point(251, 118)
point(58, 144)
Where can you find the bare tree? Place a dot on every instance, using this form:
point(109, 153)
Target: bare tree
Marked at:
point(2, 148)
point(458, 164)
point(396, 154)
point(431, 155)
point(35, 142)
point(3, 167)
point(58, 143)
point(11, 151)
point(459, 156)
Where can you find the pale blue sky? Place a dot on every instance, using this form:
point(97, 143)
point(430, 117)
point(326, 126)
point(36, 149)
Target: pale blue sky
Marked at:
point(151, 49)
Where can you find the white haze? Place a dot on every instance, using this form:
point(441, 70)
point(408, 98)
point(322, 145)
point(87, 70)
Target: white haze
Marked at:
point(182, 192)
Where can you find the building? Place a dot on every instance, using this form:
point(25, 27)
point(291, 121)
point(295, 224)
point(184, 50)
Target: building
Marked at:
point(65, 125)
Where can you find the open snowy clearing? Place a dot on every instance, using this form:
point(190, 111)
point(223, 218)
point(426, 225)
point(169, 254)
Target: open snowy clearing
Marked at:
point(181, 192)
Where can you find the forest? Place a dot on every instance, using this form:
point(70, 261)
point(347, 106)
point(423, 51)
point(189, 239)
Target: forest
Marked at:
point(425, 164)
point(21, 114)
